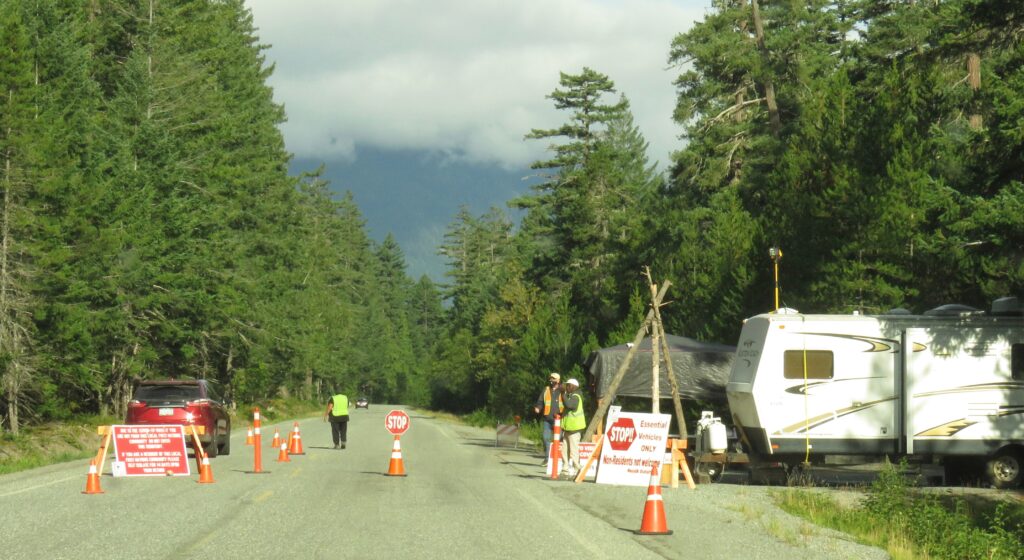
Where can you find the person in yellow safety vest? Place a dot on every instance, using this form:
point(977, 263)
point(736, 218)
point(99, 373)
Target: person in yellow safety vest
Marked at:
point(337, 410)
point(549, 403)
point(573, 424)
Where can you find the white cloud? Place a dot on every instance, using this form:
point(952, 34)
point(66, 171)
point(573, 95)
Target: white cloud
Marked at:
point(463, 77)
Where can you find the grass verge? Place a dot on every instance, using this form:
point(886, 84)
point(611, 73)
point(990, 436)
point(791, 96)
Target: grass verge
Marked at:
point(910, 524)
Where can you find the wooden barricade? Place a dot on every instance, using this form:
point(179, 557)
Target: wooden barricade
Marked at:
point(107, 432)
point(677, 448)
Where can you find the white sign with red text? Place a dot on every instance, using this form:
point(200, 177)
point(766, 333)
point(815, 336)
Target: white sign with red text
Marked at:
point(149, 450)
point(586, 450)
point(634, 442)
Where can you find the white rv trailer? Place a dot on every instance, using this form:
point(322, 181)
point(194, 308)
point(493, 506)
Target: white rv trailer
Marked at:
point(946, 387)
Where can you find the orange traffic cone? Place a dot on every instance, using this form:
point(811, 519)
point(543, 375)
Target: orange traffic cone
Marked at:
point(276, 442)
point(396, 467)
point(248, 438)
point(92, 482)
point(205, 471)
point(295, 445)
point(556, 449)
point(282, 457)
point(653, 522)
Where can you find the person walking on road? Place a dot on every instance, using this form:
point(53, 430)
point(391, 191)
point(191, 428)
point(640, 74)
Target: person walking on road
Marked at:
point(549, 403)
point(337, 411)
point(573, 424)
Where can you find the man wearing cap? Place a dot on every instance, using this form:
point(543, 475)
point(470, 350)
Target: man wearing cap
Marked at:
point(573, 425)
point(548, 405)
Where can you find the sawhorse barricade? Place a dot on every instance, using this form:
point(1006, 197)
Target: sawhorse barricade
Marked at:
point(192, 431)
point(677, 449)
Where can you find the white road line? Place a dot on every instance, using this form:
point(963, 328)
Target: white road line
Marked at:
point(37, 486)
point(559, 520)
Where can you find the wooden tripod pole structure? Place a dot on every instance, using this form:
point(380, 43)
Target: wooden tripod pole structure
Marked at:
point(659, 328)
point(606, 400)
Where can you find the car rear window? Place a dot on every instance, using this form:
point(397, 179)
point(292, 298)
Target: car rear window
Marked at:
point(167, 393)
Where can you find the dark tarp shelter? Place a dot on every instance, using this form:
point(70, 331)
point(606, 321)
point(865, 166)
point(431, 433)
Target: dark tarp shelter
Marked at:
point(701, 369)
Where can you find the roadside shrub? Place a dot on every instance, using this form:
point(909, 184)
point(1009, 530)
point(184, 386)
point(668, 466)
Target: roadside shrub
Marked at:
point(911, 524)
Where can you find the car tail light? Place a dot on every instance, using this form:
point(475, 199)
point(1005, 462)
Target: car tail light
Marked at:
point(137, 404)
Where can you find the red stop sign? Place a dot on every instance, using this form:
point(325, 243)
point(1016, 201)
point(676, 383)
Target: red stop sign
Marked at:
point(621, 434)
point(397, 422)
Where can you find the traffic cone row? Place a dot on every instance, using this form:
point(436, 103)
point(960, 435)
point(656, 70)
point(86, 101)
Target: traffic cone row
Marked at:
point(92, 481)
point(396, 467)
point(292, 447)
point(653, 521)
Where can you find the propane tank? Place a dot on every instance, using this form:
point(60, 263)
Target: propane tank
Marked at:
point(712, 433)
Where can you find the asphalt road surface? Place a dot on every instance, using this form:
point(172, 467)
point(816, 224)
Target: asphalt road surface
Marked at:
point(462, 498)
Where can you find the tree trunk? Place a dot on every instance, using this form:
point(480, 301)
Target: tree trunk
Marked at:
point(769, 86)
point(11, 381)
point(229, 375)
point(974, 79)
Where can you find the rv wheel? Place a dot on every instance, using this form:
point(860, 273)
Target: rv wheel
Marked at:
point(712, 470)
point(1004, 470)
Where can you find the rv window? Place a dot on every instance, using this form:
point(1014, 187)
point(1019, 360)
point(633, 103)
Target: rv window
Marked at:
point(1017, 361)
point(819, 364)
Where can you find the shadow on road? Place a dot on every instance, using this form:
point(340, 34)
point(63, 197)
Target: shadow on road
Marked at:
point(521, 464)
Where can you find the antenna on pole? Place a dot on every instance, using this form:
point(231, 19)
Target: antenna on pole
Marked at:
point(775, 253)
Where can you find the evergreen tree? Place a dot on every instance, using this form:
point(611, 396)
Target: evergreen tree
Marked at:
point(19, 134)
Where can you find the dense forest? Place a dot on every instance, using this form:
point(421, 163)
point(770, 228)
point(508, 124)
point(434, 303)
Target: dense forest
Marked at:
point(150, 227)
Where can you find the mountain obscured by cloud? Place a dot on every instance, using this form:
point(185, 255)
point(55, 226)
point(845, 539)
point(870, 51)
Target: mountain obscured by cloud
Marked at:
point(414, 196)
point(466, 79)
point(420, 107)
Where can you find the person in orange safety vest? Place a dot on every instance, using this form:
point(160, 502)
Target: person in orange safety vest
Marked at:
point(549, 403)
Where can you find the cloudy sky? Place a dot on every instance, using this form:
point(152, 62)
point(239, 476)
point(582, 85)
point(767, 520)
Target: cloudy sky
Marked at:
point(458, 82)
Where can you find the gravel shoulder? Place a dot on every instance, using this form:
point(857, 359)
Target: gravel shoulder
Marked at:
point(712, 521)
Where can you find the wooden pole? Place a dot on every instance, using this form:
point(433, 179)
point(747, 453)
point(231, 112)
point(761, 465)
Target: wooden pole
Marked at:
point(101, 453)
point(606, 400)
point(590, 461)
point(655, 356)
point(677, 402)
point(659, 329)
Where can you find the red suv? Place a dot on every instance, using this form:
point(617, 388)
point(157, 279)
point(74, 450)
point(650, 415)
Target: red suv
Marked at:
point(184, 401)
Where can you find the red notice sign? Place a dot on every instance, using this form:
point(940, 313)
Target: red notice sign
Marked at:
point(150, 450)
point(621, 434)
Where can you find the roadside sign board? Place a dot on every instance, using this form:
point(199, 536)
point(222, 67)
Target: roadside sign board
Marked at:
point(397, 422)
point(586, 450)
point(635, 442)
point(149, 450)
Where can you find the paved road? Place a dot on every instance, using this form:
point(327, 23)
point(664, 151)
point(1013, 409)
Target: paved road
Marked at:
point(462, 498)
